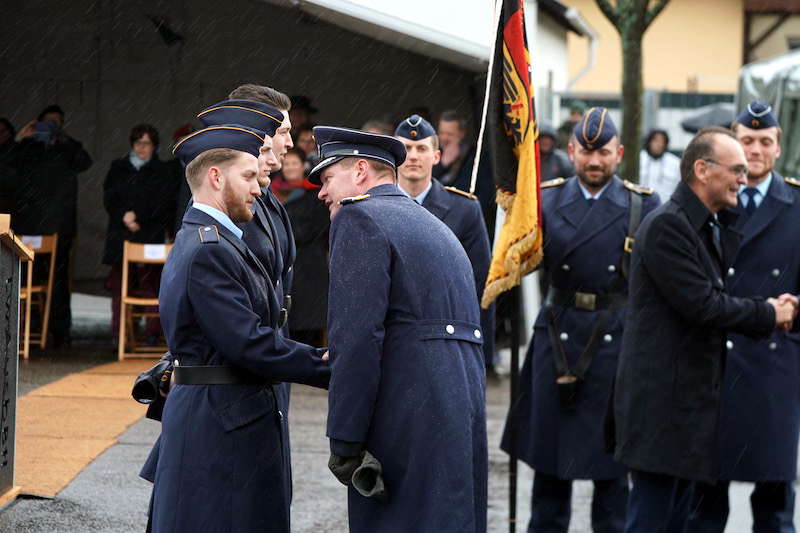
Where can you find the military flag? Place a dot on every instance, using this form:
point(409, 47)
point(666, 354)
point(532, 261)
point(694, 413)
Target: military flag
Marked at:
point(510, 120)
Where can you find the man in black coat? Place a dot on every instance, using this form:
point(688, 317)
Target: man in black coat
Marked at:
point(459, 210)
point(48, 162)
point(671, 367)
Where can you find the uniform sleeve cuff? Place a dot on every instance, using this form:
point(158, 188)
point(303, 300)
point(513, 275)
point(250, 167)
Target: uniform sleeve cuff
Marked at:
point(345, 448)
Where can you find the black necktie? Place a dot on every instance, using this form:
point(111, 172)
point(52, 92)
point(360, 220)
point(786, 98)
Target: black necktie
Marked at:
point(715, 236)
point(751, 206)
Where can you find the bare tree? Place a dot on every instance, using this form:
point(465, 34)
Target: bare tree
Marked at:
point(631, 18)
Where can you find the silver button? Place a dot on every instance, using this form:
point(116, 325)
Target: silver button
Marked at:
point(450, 329)
point(477, 333)
point(731, 271)
point(773, 346)
point(776, 273)
point(207, 228)
point(290, 269)
point(565, 268)
point(607, 338)
point(280, 415)
point(612, 268)
point(355, 152)
point(563, 337)
point(729, 345)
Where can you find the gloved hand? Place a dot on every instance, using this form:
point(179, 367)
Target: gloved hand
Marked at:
point(368, 479)
point(343, 467)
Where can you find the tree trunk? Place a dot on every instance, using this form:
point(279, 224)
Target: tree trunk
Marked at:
point(632, 89)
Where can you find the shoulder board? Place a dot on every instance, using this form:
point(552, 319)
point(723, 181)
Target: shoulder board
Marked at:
point(637, 188)
point(792, 181)
point(462, 193)
point(552, 183)
point(208, 234)
point(353, 199)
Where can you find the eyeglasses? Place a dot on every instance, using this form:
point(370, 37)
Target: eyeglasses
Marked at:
point(738, 170)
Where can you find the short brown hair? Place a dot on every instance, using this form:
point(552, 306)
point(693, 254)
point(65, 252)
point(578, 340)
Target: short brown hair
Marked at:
point(263, 94)
point(140, 130)
point(207, 159)
point(735, 126)
point(702, 146)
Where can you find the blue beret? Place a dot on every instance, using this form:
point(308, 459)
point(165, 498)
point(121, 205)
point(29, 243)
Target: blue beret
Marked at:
point(233, 136)
point(595, 128)
point(757, 116)
point(337, 143)
point(255, 115)
point(415, 128)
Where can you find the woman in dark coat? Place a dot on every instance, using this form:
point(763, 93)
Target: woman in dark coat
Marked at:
point(310, 224)
point(135, 197)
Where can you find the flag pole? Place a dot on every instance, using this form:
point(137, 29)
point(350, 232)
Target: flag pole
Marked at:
point(514, 297)
point(498, 6)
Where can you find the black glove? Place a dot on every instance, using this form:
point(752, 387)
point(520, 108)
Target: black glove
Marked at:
point(368, 479)
point(157, 378)
point(343, 467)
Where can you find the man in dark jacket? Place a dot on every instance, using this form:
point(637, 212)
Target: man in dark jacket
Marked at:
point(407, 377)
point(670, 373)
point(554, 162)
point(760, 414)
point(48, 162)
point(459, 210)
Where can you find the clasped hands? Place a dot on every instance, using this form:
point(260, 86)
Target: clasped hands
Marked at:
point(786, 308)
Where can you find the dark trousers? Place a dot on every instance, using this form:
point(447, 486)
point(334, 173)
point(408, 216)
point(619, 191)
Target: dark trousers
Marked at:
point(772, 504)
point(551, 505)
point(658, 503)
point(61, 301)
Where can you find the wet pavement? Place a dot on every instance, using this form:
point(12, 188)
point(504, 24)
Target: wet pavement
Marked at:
point(109, 497)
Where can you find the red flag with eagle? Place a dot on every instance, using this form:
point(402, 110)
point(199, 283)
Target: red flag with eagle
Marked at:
point(514, 134)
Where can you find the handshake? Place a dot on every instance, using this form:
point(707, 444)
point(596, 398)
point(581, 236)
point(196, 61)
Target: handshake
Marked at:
point(785, 307)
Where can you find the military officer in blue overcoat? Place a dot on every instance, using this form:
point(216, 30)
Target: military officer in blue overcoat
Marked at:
point(221, 465)
point(407, 381)
point(760, 413)
point(459, 210)
point(566, 380)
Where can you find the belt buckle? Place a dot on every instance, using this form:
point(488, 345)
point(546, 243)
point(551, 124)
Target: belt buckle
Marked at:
point(628, 246)
point(586, 301)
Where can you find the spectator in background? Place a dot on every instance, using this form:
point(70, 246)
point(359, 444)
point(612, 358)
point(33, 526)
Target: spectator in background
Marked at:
point(576, 111)
point(304, 140)
point(310, 224)
point(180, 192)
point(135, 195)
point(659, 169)
point(554, 162)
point(48, 161)
point(378, 125)
point(300, 114)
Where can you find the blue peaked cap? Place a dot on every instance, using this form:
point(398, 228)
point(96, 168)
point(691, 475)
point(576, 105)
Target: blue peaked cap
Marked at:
point(334, 144)
point(757, 116)
point(233, 136)
point(257, 115)
point(595, 128)
point(414, 128)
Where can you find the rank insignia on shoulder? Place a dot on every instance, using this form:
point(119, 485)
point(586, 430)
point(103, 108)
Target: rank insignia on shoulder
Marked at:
point(353, 199)
point(208, 234)
point(552, 183)
point(792, 181)
point(462, 193)
point(637, 188)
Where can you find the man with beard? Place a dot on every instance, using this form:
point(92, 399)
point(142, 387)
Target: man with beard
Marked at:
point(760, 413)
point(221, 466)
point(659, 169)
point(406, 412)
point(569, 369)
point(459, 210)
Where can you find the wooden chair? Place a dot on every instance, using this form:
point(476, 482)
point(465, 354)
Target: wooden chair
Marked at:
point(133, 307)
point(39, 295)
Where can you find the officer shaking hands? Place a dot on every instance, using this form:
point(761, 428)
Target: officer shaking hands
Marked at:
point(760, 407)
point(459, 210)
point(406, 402)
point(589, 221)
point(220, 466)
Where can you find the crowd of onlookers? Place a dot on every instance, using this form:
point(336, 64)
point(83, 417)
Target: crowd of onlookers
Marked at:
point(145, 198)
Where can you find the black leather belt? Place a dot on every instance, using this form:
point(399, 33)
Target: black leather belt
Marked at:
point(217, 375)
point(588, 301)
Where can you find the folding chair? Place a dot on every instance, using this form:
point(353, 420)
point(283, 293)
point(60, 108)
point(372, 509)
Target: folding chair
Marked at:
point(38, 295)
point(135, 307)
